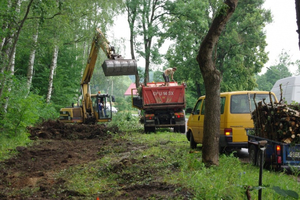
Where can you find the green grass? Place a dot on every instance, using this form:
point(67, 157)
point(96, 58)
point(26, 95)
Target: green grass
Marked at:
point(165, 157)
point(8, 145)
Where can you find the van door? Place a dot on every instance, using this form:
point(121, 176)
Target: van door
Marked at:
point(223, 114)
point(194, 121)
point(201, 122)
point(202, 116)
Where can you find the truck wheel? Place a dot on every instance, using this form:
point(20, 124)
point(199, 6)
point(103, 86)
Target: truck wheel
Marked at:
point(176, 129)
point(152, 129)
point(252, 154)
point(193, 144)
point(149, 129)
point(146, 129)
point(182, 129)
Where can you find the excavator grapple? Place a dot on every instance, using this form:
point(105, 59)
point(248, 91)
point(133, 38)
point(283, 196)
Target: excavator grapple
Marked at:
point(119, 67)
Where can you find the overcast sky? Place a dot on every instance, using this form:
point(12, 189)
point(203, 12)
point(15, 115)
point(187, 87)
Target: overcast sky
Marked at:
point(281, 33)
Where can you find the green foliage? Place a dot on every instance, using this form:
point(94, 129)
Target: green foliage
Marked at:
point(23, 111)
point(144, 21)
point(240, 50)
point(274, 73)
point(123, 104)
point(8, 145)
point(126, 121)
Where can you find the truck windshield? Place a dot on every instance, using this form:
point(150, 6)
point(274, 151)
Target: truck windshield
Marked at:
point(240, 103)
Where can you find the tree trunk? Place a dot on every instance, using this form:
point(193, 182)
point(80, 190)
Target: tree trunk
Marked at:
point(31, 61)
point(2, 43)
point(212, 79)
point(12, 72)
point(298, 19)
point(137, 78)
point(16, 38)
point(9, 47)
point(131, 17)
point(52, 71)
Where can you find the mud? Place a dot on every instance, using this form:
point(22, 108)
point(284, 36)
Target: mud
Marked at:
point(32, 173)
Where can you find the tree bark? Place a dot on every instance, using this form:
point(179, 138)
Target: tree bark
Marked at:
point(31, 61)
point(131, 17)
point(16, 38)
point(52, 71)
point(298, 19)
point(212, 79)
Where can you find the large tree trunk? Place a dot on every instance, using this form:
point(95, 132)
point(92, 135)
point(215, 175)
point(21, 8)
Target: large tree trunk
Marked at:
point(31, 61)
point(298, 19)
point(212, 79)
point(52, 71)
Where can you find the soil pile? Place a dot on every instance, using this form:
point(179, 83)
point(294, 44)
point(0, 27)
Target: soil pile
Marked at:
point(58, 147)
point(57, 130)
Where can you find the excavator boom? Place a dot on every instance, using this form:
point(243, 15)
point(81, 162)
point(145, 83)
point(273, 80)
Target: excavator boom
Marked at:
point(115, 65)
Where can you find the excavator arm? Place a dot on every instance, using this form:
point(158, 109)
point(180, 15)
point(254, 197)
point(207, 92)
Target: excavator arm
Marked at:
point(115, 65)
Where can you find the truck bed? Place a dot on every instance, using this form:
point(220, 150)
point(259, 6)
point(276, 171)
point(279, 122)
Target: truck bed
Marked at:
point(155, 95)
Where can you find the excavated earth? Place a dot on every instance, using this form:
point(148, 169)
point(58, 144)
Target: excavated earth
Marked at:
point(57, 147)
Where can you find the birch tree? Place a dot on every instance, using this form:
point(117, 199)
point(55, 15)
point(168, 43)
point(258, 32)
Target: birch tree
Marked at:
point(9, 47)
point(52, 72)
point(31, 60)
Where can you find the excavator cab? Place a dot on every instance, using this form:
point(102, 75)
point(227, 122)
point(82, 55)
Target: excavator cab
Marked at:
point(101, 106)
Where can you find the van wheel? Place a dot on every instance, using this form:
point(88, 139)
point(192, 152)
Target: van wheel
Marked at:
point(252, 154)
point(193, 144)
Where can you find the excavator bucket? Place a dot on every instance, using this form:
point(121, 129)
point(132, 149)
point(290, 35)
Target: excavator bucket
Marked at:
point(118, 67)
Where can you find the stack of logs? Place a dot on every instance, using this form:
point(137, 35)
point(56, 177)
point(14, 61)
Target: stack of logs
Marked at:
point(277, 121)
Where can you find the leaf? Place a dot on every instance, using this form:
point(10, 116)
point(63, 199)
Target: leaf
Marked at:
point(285, 193)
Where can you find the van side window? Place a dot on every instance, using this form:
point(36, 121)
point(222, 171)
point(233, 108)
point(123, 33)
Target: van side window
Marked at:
point(239, 103)
point(197, 107)
point(260, 97)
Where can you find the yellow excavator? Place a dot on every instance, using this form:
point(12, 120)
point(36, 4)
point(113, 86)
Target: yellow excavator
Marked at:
point(97, 107)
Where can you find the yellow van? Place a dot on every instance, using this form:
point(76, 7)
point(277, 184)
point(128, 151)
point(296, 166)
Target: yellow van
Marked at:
point(234, 120)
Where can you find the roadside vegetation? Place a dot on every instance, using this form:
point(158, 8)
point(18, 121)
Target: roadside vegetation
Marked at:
point(164, 157)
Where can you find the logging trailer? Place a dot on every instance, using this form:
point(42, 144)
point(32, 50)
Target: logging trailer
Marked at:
point(278, 125)
point(277, 155)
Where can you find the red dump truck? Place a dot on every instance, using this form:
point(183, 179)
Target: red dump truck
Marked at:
point(161, 106)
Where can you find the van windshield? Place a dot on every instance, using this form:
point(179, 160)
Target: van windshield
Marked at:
point(240, 103)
